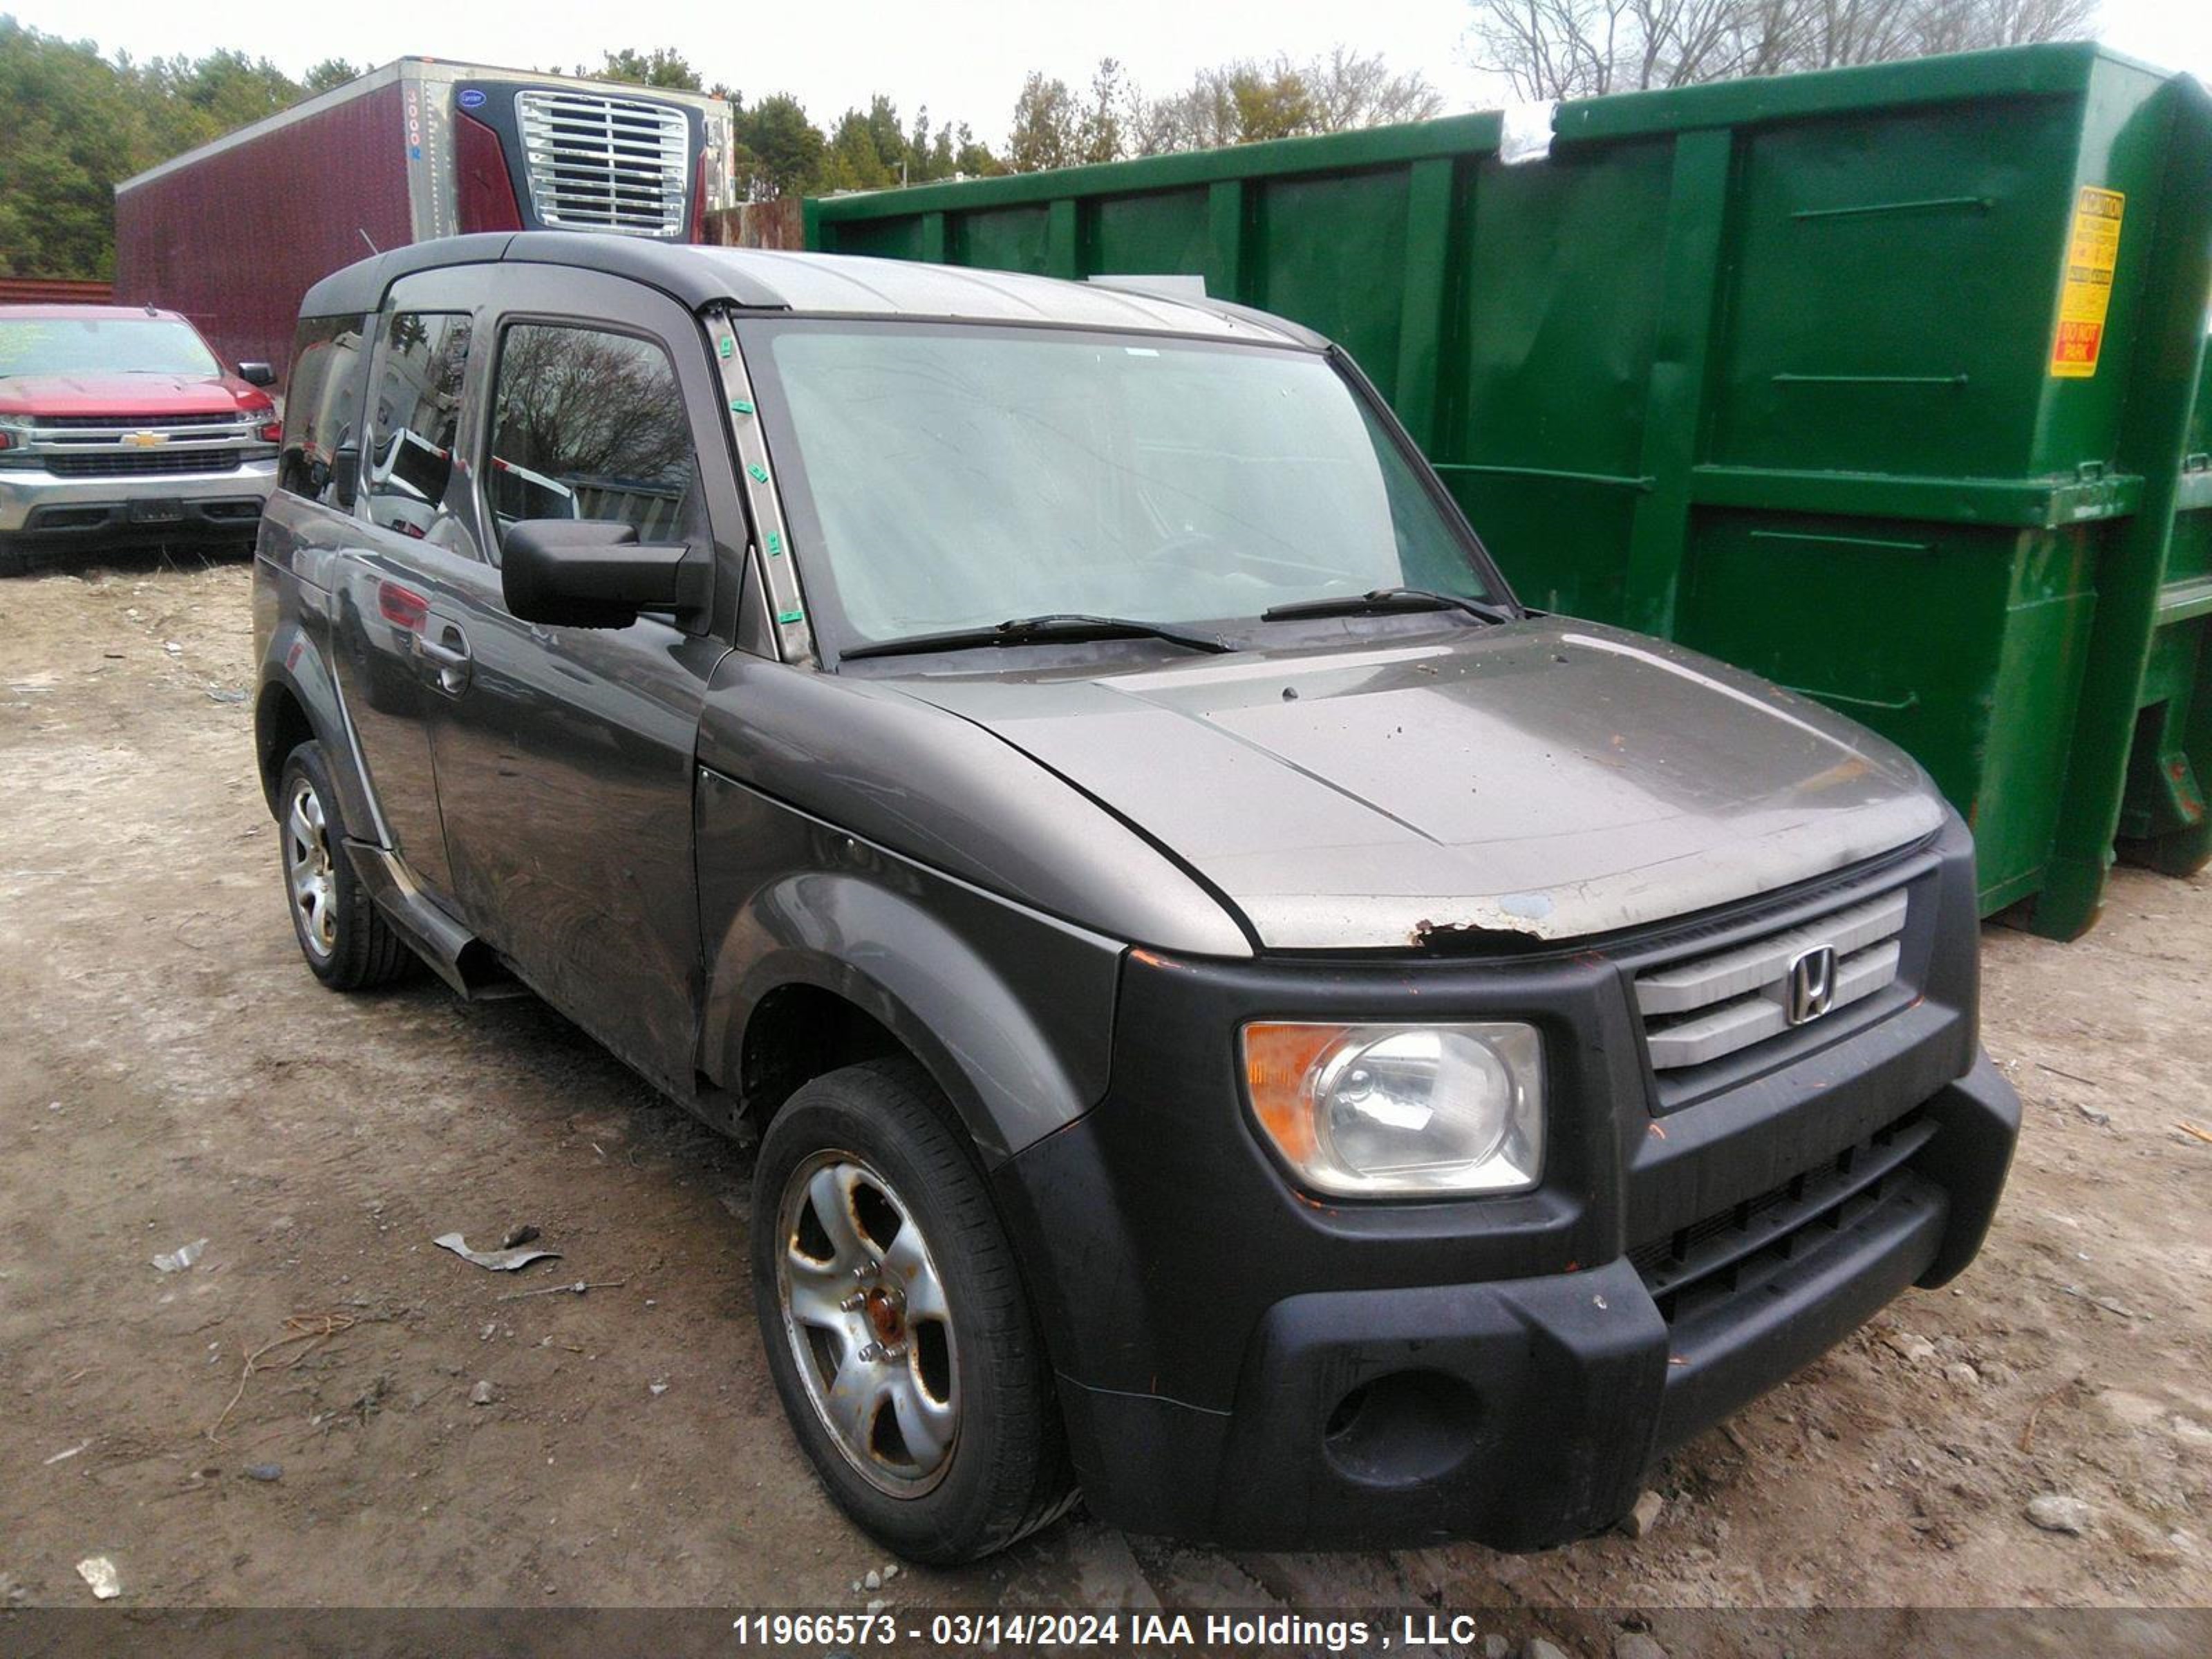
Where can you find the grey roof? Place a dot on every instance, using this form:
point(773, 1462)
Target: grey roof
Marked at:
point(815, 284)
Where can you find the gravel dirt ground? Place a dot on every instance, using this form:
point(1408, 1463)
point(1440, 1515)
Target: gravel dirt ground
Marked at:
point(170, 1073)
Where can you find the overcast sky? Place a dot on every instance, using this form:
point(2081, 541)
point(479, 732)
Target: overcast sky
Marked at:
point(965, 58)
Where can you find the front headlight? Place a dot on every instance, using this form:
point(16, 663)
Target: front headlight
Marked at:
point(1394, 1111)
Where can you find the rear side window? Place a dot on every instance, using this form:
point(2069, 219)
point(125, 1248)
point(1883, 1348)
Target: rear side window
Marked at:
point(587, 423)
point(322, 406)
point(408, 459)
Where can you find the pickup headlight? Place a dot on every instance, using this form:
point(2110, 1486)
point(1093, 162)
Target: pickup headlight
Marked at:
point(1402, 1110)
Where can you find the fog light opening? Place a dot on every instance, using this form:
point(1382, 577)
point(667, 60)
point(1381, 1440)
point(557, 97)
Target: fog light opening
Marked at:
point(1401, 1429)
point(1345, 1414)
point(70, 518)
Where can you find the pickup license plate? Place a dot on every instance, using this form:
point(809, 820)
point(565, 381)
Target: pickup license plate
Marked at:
point(161, 510)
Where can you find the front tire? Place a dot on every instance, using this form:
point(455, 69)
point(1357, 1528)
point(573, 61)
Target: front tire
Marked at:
point(897, 1331)
point(347, 944)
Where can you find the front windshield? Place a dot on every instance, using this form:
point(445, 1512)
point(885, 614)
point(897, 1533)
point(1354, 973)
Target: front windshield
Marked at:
point(958, 478)
point(105, 345)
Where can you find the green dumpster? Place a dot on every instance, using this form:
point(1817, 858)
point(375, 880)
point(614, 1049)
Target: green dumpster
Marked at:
point(1887, 383)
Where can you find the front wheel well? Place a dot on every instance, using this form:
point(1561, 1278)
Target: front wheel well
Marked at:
point(279, 725)
point(797, 1033)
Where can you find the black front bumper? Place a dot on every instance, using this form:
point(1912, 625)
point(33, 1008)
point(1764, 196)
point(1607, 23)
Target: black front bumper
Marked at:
point(1245, 1364)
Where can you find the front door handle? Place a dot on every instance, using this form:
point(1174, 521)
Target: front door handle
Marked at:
point(447, 655)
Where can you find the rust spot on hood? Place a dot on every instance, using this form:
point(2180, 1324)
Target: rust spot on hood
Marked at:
point(1428, 935)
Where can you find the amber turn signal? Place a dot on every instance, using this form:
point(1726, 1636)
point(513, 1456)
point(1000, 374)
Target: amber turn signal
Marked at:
point(1280, 1064)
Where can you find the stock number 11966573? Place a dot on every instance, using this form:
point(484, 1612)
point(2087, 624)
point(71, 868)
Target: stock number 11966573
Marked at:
point(859, 1630)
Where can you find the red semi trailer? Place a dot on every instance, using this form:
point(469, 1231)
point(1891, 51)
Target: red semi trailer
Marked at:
point(234, 233)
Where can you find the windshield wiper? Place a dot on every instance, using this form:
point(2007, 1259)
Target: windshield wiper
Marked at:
point(1031, 630)
point(1381, 600)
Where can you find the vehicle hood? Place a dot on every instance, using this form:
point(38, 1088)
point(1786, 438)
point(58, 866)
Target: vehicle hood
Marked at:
point(1552, 779)
point(146, 395)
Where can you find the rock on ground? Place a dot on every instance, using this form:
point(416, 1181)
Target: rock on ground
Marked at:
point(2057, 1511)
point(1645, 1516)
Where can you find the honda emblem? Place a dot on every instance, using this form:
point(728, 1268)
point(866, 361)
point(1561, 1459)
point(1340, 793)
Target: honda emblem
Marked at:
point(1811, 986)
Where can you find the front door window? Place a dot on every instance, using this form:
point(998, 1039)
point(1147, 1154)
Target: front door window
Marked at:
point(590, 424)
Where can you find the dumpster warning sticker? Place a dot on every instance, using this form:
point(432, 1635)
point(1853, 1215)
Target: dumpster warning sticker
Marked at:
point(2091, 253)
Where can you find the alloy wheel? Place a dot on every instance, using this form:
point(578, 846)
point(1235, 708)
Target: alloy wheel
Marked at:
point(870, 1328)
point(307, 870)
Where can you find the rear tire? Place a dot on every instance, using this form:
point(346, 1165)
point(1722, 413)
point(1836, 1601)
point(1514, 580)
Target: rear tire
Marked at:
point(348, 944)
point(897, 1330)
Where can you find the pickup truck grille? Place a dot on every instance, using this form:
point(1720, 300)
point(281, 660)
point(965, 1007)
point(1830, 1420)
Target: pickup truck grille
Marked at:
point(1699, 1011)
point(133, 422)
point(597, 163)
point(125, 464)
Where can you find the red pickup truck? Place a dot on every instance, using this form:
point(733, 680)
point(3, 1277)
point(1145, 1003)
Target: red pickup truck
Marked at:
point(119, 425)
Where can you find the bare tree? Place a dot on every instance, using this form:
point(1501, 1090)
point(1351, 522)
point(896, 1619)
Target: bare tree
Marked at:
point(575, 402)
point(1553, 49)
point(1249, 101)
point(1351, 89)
point(1681, 43)
point(1964, 25)
point(1835, 33)
point(1237, 103)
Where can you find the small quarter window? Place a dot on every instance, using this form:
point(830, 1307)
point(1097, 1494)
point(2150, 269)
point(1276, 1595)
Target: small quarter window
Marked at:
point(413, 421)
point(590, 424)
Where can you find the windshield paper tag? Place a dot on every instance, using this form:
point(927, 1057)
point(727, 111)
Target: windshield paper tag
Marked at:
point(2092, 251)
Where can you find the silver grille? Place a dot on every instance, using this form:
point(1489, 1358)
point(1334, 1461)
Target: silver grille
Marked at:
point(137, 432)
point(107, 425)
point(1699, 1010)
point(599, 163)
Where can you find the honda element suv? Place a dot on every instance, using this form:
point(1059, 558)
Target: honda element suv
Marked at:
point(1241, 1018)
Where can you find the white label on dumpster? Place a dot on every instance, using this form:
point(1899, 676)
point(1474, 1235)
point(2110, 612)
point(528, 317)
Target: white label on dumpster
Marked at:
point(1526, 134)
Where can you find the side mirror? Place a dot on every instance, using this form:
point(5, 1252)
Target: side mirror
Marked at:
point(257, 374)
point(345, 475)
point(588, 573)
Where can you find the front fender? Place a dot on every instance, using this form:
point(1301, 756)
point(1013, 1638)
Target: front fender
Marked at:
point(1010, 1011)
